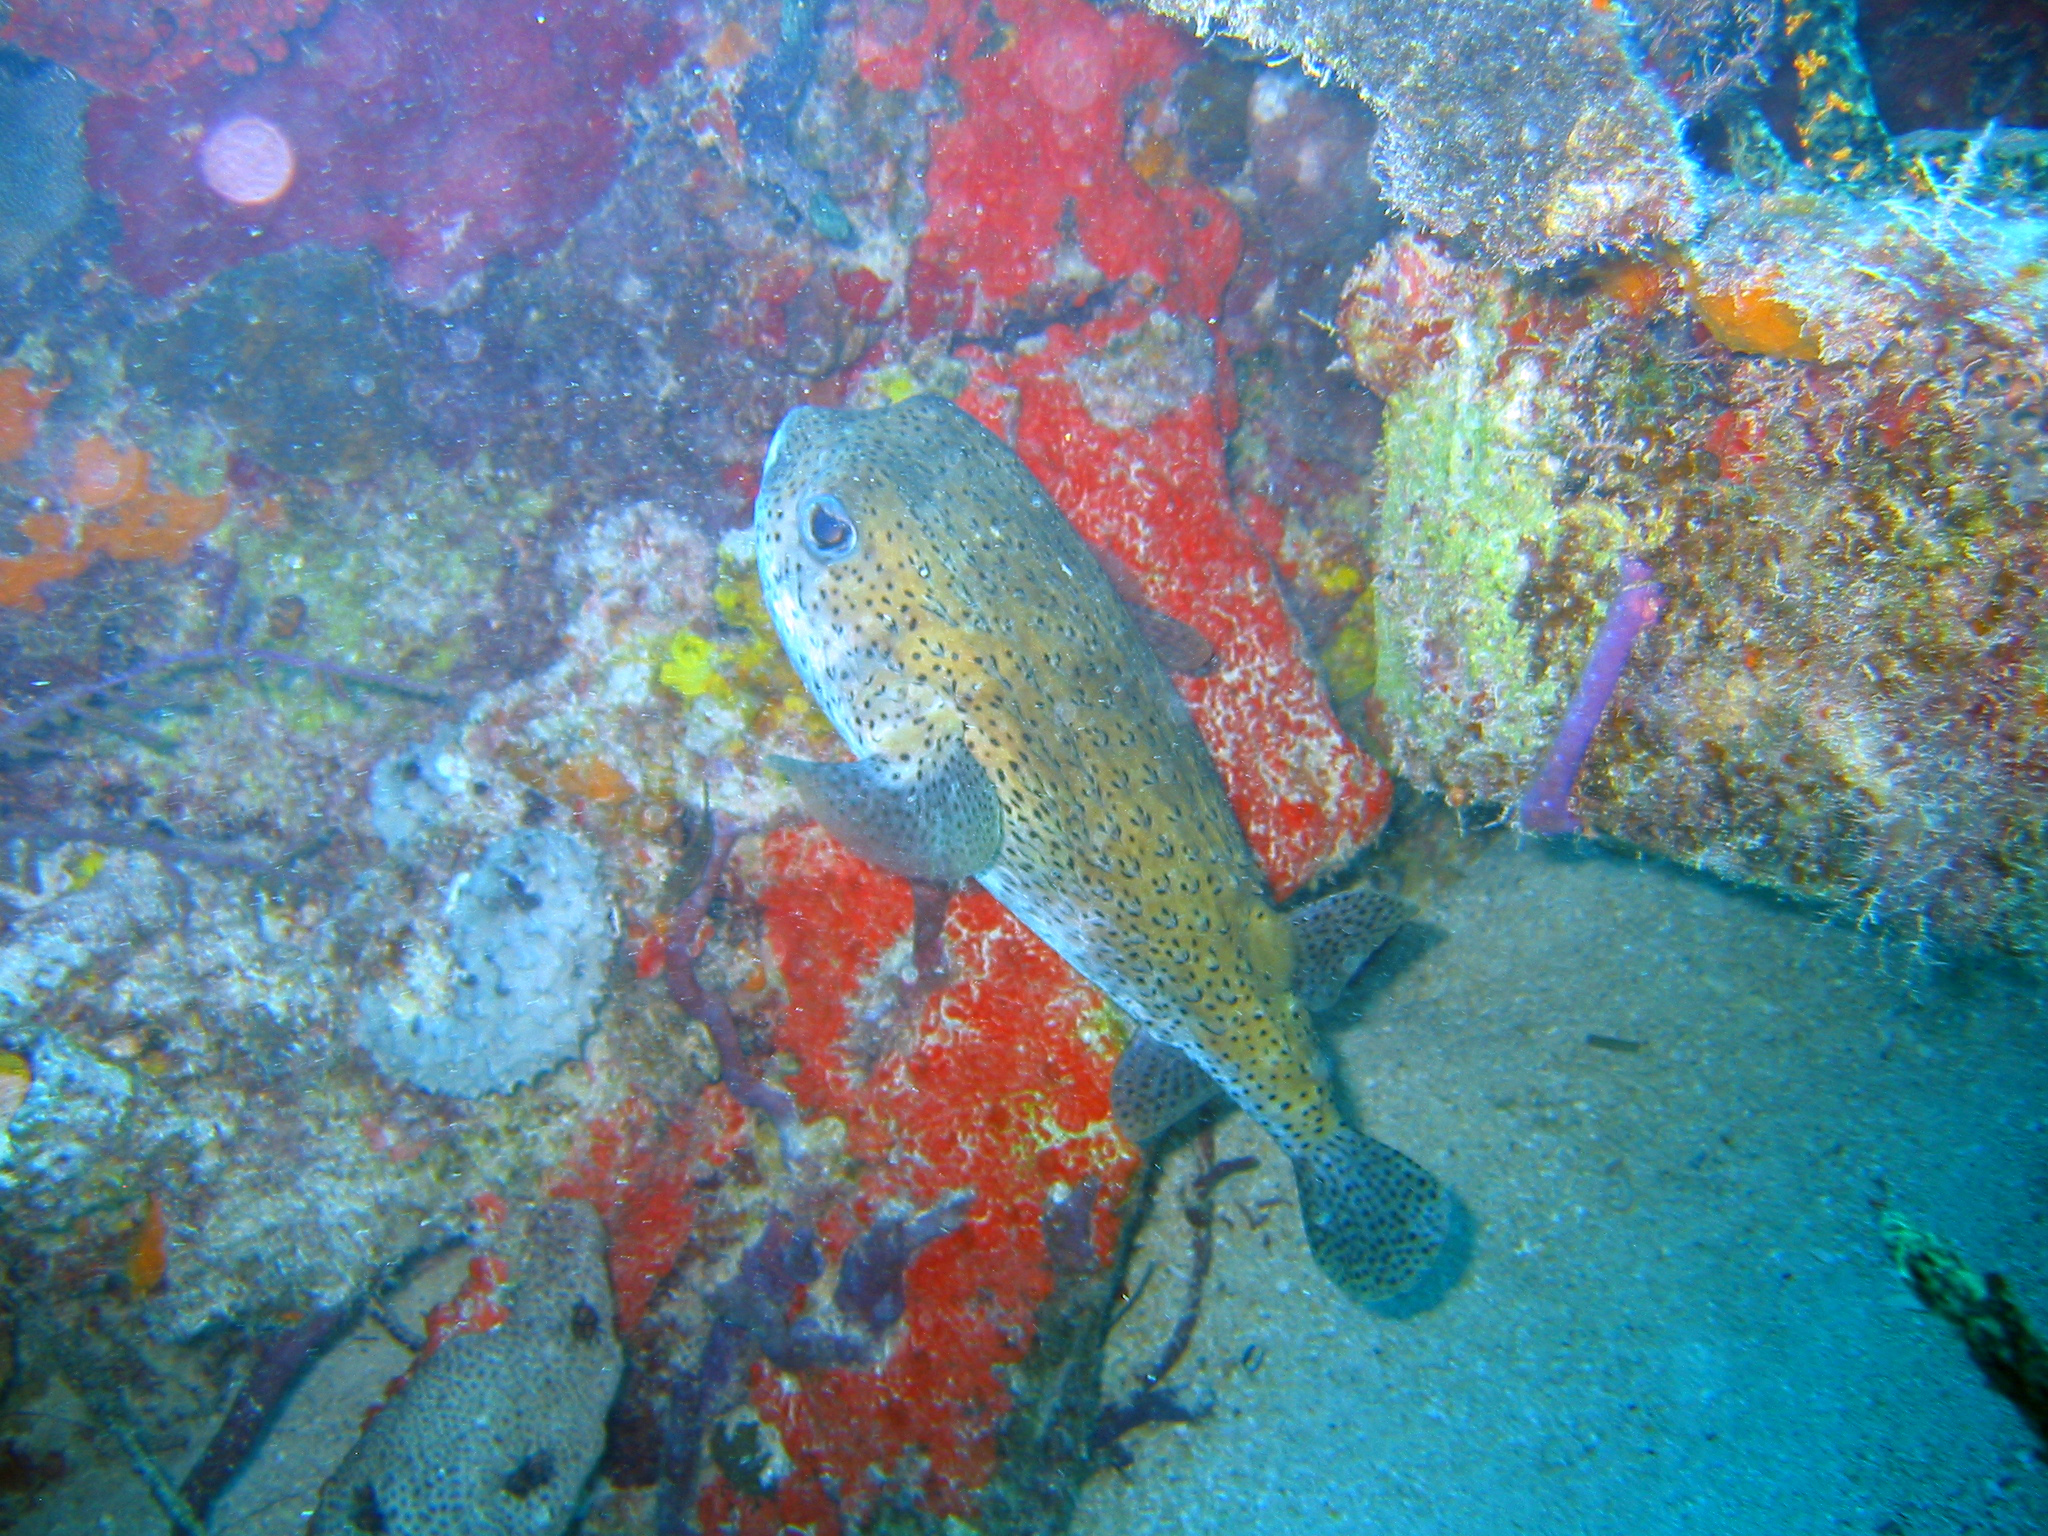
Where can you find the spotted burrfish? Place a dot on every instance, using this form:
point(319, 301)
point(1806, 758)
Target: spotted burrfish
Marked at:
point(1010, 724)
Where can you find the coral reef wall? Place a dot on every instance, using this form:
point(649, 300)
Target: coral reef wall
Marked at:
point(1820, 426)
point(386, 786)
point(388, 832)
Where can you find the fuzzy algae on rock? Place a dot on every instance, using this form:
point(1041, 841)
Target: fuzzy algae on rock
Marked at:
point(1996, 1333)
point(1470, 511)
point(1526, 122)
point(1820, 427)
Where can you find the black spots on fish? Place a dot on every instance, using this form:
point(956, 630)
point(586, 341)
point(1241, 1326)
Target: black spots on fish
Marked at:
point(584, 1322)
point(365, 1514)
point(534, 1472)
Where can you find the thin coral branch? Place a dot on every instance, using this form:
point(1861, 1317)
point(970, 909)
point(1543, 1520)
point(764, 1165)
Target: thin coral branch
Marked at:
point(1151, 1403)
point(280, 1363)
point(171, 850)
point(679, 964)
point(81, 703)
point(1067, 1227)
point(91, 1375)
point(1201, 1216)
point(870, 1288)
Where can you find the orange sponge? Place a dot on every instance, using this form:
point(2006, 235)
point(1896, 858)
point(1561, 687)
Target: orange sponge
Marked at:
point(128, 521)
point(1752, 318)
point(21, 411)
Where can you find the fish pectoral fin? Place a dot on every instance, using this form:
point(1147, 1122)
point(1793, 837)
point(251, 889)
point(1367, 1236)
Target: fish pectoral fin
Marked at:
point(1335, 936)
point(1180, 646)
point(934, 818)
point(1156, 1086)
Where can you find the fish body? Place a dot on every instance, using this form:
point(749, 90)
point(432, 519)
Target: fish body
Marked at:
point(1011, 724)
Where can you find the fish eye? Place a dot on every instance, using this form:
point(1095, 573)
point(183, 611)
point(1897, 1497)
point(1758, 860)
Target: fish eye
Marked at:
point(828, 531)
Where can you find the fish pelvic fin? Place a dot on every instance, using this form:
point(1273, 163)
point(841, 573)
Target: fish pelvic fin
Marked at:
point(934, 818)
point(1155, 1088)
point(1375, 1218)
point(1335, 936)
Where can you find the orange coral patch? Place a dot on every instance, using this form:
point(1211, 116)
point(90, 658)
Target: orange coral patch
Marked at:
point(477, 1307)
point(1754, 319)
point(733, 46)
point(21, 575)
point(21, 411)
point(644, 1171)
point(149, 1250)
point(1637, 288)
point(105, 476)
point(137, 523)
point(592, 779)
point(1004, 1090)
point(157, 525)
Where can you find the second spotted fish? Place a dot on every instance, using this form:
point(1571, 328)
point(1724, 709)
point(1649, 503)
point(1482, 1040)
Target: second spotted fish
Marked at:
point(1011, 724)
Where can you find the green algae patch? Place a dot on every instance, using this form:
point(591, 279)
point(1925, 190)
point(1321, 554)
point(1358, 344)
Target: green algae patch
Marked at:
point(1470, 522)
point(392, 574)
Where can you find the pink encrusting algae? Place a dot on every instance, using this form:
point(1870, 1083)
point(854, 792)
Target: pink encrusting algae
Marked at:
point(334, 144)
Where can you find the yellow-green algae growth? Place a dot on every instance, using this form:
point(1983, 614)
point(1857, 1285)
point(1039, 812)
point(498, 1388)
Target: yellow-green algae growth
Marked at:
point(436, 535)
point(739, 680)
point(1470, 509)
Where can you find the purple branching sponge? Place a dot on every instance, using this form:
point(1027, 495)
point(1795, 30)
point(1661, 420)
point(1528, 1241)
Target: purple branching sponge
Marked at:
point(1546, 806)
point(700, 1002)
point(870, 1289)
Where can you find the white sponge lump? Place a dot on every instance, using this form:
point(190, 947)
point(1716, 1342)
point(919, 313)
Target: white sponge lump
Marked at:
point(511, 986)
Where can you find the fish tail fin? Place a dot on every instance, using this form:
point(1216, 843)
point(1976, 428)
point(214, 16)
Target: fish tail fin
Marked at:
point(1375, 1218)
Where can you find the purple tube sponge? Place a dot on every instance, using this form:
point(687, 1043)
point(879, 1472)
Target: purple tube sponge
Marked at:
point(870, 1288)
point(1546, 806)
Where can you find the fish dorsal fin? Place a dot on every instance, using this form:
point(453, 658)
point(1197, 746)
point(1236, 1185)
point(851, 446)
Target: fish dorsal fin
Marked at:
point(1335, 936)
point(933, 817)
point(1155, 1087)
point(1180, 647)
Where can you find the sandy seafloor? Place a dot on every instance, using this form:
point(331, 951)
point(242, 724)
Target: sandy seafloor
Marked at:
point(1678, 1314)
